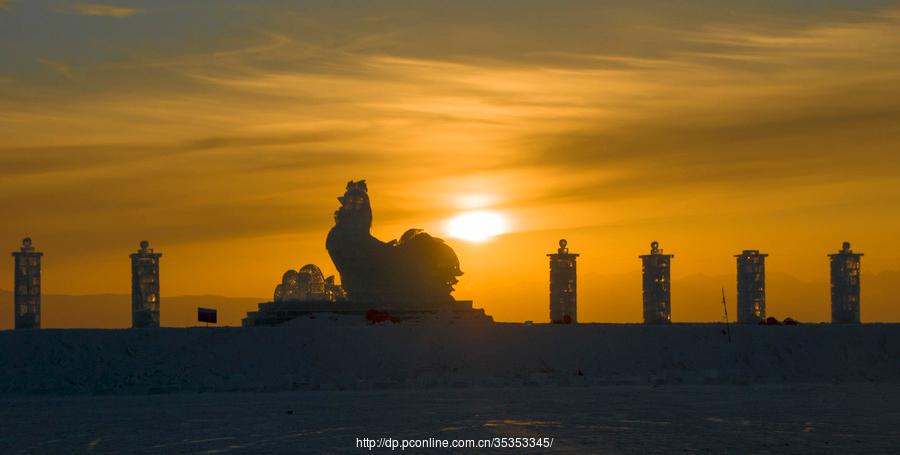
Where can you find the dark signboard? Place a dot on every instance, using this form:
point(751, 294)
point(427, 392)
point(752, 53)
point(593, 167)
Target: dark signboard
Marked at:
point(206, 315)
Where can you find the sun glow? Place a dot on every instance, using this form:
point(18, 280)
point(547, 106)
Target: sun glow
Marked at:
point(477, 226)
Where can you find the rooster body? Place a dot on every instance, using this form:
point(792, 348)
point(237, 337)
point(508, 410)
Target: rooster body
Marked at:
point(415, 270)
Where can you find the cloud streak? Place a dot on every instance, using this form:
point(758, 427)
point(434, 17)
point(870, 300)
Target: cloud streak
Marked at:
point(103, 10)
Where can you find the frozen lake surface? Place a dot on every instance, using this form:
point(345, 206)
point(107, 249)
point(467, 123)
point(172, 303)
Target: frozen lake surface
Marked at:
point(796, 418)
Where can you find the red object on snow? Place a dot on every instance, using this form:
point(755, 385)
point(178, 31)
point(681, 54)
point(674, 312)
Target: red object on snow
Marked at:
point(374, 316)
point(567, 319)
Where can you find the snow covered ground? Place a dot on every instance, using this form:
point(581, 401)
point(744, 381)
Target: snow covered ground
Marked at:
point(818, 418)
point(348, 355)
point(319, 384)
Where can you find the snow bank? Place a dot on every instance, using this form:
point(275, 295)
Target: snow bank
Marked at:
point(343, 353)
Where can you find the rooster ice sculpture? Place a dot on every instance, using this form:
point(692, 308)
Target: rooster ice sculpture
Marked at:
point(417, 270)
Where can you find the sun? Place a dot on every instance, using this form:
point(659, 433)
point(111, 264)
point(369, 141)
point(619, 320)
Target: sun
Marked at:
point(477, 226)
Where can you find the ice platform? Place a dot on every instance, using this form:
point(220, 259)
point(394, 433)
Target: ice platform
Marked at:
point(275, 313)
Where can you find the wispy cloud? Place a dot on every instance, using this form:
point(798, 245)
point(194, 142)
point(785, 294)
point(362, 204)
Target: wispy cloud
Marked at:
point(58, 67)
point(99, 9)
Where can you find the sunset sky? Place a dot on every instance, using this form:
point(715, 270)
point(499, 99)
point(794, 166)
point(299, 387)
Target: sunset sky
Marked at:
point(223, 131)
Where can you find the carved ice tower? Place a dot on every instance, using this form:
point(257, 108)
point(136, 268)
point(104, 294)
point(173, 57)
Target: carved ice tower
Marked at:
point(145, 287)
point(657, 286)
point(563, 289)
point(845, 286)
point(751, 287)
point(27, 286)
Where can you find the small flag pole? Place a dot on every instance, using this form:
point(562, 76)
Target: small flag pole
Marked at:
point(727, 327)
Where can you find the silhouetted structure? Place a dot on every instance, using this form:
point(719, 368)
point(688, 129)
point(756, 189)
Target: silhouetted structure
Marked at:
point(307, 293)
point(300, 292)
point(307, 284)
point(415, 270)
point(27, 286)
point(751, 287)
point(563, 286)
point(657, 290)
point(409, 278)
point(845, 286)
point(145, 287)
point(333, 291)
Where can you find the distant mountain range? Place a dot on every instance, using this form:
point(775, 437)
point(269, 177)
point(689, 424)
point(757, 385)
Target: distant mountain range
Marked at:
point(114, 311)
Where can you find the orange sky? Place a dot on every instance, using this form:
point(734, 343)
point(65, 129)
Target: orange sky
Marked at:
point(222, 132)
